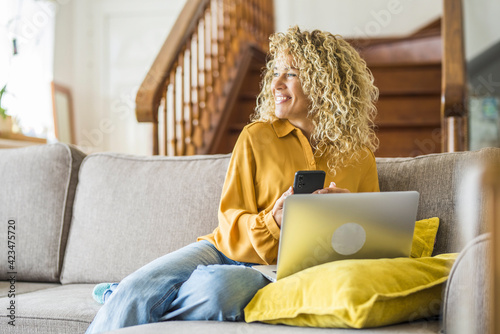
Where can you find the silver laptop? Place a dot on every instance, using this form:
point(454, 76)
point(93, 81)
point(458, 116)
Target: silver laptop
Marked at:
point(327, 227)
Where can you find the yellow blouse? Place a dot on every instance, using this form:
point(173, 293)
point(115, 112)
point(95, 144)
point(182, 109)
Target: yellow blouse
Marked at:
point(262, 167)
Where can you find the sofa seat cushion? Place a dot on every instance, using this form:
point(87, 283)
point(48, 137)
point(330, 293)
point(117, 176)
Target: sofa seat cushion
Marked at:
point(130, 210)
point(7, 288)
point(64, 309)
point(216, 327)
point(36, 198)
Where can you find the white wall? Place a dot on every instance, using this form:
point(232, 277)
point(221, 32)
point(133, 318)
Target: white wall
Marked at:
point(357, 18)
point(481, 24)
point(103, 51)
point(64, 44)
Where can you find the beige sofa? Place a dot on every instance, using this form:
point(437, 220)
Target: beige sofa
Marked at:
point(81, 220)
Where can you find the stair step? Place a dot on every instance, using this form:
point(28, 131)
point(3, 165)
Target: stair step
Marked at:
point(410, 80)
point(408, 142)
point(386, 125)
point(251, 83)
point(237, 127)
point(416, 50)
point(242, 111)
point(252, 96)
point(423, 109)
point(244, 105)
point(257, 66)
point(404, 64)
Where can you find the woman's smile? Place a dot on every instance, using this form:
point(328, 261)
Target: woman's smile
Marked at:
point(280, 99)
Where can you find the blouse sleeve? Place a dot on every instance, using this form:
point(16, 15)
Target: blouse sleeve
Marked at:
point(245, 233)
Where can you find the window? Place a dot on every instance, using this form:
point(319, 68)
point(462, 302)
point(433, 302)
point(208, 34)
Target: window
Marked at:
point(26, 64)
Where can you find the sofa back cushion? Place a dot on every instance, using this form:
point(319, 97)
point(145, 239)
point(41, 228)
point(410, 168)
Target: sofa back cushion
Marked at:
point(438, 179)
point(36, 198)
point(130, 210)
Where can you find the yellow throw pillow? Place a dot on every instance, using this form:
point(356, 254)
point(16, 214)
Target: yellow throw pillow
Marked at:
point(355, 293)
point(424, 237)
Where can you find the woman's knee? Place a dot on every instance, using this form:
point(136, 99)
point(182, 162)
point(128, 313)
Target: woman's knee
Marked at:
point(222, 279)
point(222, 291)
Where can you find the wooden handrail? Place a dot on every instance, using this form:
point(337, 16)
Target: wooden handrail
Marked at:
point(453, 106)
point(197, 69)
point(150, 92)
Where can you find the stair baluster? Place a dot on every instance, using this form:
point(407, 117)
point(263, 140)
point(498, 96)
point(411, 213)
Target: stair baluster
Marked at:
point(194, 76)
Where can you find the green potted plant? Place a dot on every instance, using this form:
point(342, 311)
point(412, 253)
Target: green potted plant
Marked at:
point(5, 120)
point(3, 112)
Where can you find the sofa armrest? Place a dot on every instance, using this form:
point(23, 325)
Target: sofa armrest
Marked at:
point(467, 301)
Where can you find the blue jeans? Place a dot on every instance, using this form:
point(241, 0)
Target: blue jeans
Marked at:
point(196, 282)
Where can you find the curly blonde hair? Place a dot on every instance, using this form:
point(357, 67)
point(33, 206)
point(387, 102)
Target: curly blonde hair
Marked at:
point(339, 87)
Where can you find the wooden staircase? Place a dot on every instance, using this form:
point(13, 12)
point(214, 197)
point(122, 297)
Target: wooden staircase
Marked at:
point(244, 104)
point(203, 84)
point(407, 72)
point(190, 92)
point(421, 78)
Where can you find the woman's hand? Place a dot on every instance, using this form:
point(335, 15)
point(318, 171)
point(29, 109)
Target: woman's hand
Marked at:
point(277, 210)
point(332, 189)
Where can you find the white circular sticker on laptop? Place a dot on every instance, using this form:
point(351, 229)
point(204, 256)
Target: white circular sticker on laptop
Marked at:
point(348, 239)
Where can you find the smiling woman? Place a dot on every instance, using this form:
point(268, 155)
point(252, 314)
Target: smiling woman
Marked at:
point(210, 279)
point(320, 84)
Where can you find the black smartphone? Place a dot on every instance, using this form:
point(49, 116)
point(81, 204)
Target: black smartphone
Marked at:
point(308, 181)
